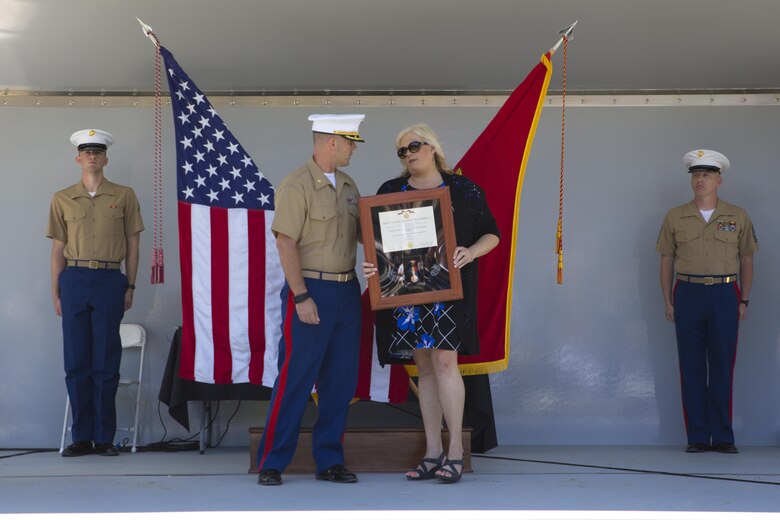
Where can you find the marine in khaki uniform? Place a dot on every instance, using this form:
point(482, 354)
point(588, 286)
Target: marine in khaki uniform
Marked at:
point(707, 251)
point(316, 228)
point(94, 226)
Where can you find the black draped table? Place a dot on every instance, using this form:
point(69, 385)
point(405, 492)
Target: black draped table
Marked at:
point(176, 392)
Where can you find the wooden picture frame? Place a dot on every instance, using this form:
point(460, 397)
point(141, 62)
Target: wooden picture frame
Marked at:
point(410, 237)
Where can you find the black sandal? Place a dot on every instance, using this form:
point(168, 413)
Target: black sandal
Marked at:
point(454, 475)
point(424, 472)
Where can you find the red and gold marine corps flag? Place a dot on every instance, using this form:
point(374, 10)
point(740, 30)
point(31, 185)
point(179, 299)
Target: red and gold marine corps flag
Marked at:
point(496, 162)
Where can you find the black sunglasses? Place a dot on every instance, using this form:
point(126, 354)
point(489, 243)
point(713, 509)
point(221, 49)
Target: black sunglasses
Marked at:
point(413, 147)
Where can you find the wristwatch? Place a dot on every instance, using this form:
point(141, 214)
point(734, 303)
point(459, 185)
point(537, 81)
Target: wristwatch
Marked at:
point(746, 302)
point(131, 286)
point(301, 297)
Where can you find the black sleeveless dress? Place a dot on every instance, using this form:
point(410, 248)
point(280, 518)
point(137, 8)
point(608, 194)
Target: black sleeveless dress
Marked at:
point(446, 325)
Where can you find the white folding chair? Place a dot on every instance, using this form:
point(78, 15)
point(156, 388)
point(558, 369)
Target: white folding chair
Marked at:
point(133, 337)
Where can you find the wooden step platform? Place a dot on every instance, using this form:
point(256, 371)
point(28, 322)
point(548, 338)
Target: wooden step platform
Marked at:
point(392, 450)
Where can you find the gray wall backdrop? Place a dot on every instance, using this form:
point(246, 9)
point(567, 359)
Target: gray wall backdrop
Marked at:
point(592, 362)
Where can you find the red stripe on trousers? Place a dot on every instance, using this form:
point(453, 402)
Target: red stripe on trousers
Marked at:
point(220, 299)
point(366, 352)
point(256, 297)
point(187, 355)
point(734, 359)
point(277, 403)
point(679, 367)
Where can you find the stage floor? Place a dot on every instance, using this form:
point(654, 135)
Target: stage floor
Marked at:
point(535, 480)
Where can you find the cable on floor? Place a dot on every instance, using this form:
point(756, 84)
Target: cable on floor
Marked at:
point(25, 451)
point(629, 470)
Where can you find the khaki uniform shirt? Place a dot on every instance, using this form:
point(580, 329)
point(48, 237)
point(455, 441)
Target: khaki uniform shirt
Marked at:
point(707, 248)
point(95, 228)
point(323, 220)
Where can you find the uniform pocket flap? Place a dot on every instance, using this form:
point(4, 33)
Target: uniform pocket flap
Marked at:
point(683, 236)
point(113, 213)
point(74, 214)
point(726, 236)
point(322, 213)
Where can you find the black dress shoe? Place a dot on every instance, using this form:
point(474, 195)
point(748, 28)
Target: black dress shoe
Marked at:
point(106, 449)
point(269, 477)
point(697, 448)
point(337, 473)
point(725, 448)
point(77, 449)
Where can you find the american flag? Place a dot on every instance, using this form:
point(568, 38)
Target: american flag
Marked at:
point(230, 270)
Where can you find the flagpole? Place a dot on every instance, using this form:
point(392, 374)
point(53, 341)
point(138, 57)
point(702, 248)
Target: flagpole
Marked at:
point(567, 33)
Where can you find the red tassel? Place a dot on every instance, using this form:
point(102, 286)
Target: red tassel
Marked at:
point(158, 266)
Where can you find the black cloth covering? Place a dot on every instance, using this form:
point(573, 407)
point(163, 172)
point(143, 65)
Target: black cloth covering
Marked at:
point(175, 391)
point(478, 413)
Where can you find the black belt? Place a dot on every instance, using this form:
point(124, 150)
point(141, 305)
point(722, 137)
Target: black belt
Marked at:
point(707, 280)
point(330, 277)
point(94, 264)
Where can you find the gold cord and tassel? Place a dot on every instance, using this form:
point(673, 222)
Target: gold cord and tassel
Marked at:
point(559, 232)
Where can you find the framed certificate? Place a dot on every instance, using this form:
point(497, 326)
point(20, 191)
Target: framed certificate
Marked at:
point(410, 237)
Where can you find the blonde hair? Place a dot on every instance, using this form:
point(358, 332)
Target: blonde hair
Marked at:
point(429, 136)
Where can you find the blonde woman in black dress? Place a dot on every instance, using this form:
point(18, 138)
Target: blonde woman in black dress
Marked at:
point(435, 334)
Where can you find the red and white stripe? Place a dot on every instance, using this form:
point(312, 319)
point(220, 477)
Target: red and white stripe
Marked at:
point(231, 278)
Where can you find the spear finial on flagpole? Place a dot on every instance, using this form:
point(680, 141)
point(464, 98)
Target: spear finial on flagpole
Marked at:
point(567, 33)
point(148, 32)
